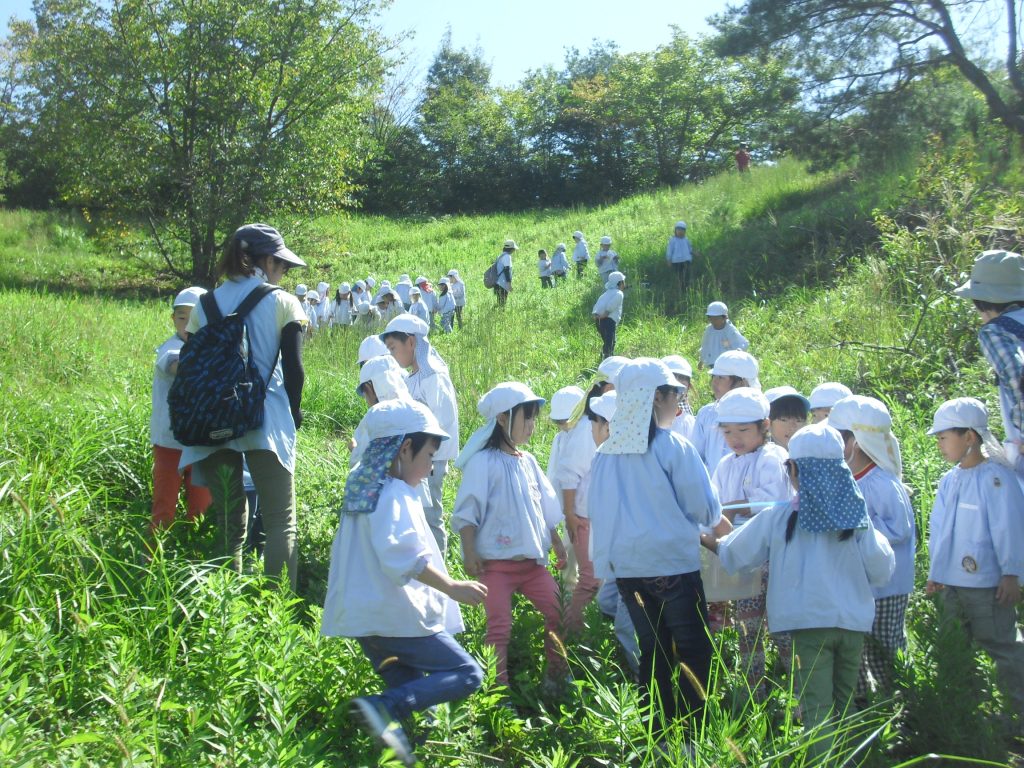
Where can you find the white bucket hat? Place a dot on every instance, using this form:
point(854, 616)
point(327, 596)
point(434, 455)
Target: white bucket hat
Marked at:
point(387, 377)
point(610, 367)
point(604, 405)
point(564, 402)
point(678, 365)
point(606, 240)
point(828, 394)
point(189, 297)
point(499, 399)
point(996, 277)
point(371, 346)
point(680, 225)
point(511, 244)
point(614, 278)
point(301, 289)
point(777, 393)
point(871, 424)
point(737, 363)
point(742, 405)
point(716, 308)
point(969, 413)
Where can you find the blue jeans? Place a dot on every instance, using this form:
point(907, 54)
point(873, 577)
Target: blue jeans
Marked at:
point(420, 672)
point(670, 615)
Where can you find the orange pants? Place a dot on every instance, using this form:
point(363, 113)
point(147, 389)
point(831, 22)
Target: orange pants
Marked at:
point(167, 482)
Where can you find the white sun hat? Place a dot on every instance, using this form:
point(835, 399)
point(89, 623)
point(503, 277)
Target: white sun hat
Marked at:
point(828, 394)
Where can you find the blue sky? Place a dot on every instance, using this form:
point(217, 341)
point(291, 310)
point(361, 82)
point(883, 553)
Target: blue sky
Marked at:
point(519, 35)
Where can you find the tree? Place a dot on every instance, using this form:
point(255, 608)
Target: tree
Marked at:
point(194, 116)
point(852, 50)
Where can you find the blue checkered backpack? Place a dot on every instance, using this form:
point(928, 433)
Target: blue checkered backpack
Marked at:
point(218, 393)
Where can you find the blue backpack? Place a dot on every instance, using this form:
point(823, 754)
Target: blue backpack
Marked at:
point(218, 393)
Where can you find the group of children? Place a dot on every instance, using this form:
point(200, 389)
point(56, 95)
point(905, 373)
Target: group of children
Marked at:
point(370, 306)
point(807, 530)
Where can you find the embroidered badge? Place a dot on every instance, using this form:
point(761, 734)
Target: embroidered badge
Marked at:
point(969, 563)
point(997, 482)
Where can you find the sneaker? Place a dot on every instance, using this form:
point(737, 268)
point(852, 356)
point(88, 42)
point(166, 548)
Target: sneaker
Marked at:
point(375, 719)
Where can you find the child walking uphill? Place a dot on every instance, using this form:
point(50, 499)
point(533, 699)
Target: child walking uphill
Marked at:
point(648, 495)
point(872, 453)
point(167, 480)
point(753, 471)
point(607, 312)
point(388, 586)
point(825, 558)
point(976, 541)
point(506, 514)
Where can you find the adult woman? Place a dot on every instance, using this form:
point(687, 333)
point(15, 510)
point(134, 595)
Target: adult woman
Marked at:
point(256, 254)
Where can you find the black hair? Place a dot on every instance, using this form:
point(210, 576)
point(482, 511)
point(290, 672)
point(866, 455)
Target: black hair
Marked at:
point(788, 407)
point(417, 440)
point(846, 434)
point(597, 418)
point(237, 262)
point(666, 390)
point(501, 436)
point(735, 381)
point(991, 306)
point(443, 288)
point(844, 535)
point(595, 391)
point(396, 335)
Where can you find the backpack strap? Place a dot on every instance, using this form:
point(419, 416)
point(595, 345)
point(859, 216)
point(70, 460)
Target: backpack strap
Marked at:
point(210, 308)
point(1007, 323)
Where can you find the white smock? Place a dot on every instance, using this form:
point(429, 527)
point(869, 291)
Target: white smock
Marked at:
point(160, 419)
point(755, 476)
point(707, 437)
point(716, 341)
point(892, 515)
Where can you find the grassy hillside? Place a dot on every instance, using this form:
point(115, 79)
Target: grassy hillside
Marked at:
point(108, 662)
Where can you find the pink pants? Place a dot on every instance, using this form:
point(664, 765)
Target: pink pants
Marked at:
point(167, 482)
point(586, 584)
point(503, 578)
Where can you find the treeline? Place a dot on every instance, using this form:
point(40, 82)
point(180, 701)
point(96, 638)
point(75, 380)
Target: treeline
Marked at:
point(605, 126)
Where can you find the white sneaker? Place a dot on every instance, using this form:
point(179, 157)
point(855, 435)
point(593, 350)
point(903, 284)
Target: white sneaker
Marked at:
point(376, 721)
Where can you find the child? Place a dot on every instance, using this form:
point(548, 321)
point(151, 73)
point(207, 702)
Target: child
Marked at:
point(402, 288)
point(544, 268)
point(416, 307)
point(342, 309)
point(367, 316)
point(648, 495)
point(389, 304)
point(976, 540)
point(684, 421)
point(872, 453)
point(445, 305)
point(600, 410)
point(606, 259)
point(428, 297)
point(504, 266)
point(506, 515)
point(388, 586)
point(323, 305)
point(458, 289)
point(825, 557)
point(720, 335)
point(824, 396)
point(571, 464)
point(732, 369)
point(313, 312)
point(580, 253)
point(679, 253)
point(167, 480)
point(753, 471)
point(302, 294)
point(607, 312)
point(429, 383)
point(787, 414)
point(559, 264)
point(359, 293)
point(996, 287)
point(370, 347)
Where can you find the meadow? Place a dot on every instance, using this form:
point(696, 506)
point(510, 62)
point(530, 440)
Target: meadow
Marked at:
point(105, 660)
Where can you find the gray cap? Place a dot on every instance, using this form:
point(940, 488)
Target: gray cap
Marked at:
point(264, 240)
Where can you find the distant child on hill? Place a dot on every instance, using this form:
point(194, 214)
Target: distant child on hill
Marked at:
point(788, 413)
point(458, 289)
point(607, 311)
point(388, 586)
point(445, 305)
point(503, 286)
point(607, 260)
point(872, 453)
point(753, 471)
point(313, 312)
point(720, 335)
point(679, 253)
point(544, 268)
point(342, 309)
point(580, 253)
point(359, 293)
point(167, 481)
point(507, 515)
point(559, 264)
point(824, 396)
point(825, 558)
point(367, 316)
point(976, 541)
point(416, 307)
point(732, 370)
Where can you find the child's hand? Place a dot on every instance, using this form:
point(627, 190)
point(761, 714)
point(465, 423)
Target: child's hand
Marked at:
point(561, 556)
point(931, 587)
point(473, 563)
point(1008, 591)
point(709, 542)
point(468, 592)
point(572, 522)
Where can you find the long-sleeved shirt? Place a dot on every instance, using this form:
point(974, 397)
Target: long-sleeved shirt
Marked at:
point(458, 291)
point(678, 250)
point(755, 476)
point(160, 421)
point(816, 581)
point(976, 531)
point(510, 501)
point(646, 510)
point(707, 437)
point(609, 303)
point(716, 341)
point(435, 390)
point(580, 252)
point(576, 455)
point(419, 309)
point(606, 261)
point(375, 559)
point(559, 264)
point(892, 515)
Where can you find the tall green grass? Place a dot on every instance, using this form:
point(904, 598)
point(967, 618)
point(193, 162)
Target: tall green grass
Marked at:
point(106, 661)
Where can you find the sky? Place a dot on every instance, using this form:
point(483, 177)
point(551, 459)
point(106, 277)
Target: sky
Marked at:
point(518, 35)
